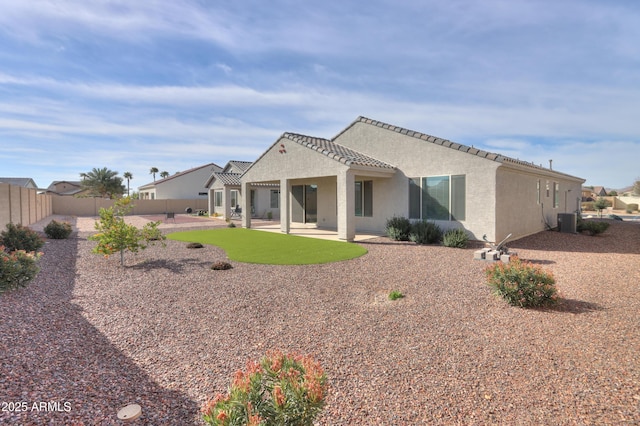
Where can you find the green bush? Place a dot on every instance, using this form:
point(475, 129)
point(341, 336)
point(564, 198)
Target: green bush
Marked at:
point(632, 207)
point(281, 389)
point(395, 295)
point(589, 206)
point(522, 283)
point(592, 227)
point(58, 230)
point(398, 228)
point(18, 237)
point(17, 268)
point(455, 238)
point(424, 232)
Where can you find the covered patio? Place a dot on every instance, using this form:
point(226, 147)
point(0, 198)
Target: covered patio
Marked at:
point(311, 231)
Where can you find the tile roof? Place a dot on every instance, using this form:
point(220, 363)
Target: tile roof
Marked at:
point(449, 144)
point(337, 152)
point(242, 165)
point(24, 182)
point(232, 179)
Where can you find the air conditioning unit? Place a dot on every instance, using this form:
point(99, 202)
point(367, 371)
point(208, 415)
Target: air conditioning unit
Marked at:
point(568, 223)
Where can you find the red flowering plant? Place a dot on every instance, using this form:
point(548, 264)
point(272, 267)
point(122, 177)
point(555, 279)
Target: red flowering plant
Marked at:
point(17, 268)
point(522, 283)
point(281, 389)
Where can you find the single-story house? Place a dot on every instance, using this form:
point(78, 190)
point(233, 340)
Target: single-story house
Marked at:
point(22, 182)
point(372, 171)
point(225, 193)
point(67, 188)
point(187, 185)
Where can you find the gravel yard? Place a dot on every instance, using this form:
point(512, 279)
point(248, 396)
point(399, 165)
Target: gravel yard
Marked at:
point(88, 337)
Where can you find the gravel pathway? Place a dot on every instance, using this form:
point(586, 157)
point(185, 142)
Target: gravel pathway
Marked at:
point(88, 337)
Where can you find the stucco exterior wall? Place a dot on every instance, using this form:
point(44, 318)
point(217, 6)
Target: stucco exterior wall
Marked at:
point(187, 186)
point(517, 208)
point(417, 158)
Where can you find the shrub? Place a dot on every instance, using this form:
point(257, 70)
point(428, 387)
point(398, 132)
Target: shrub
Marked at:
point(395, 295)
point(424, 232)
point(221, 266)
point(58, 230)
point(589, 206)
point(278, 390)
point(398, 228)
point(231, 225)
point(592, 227)
point(194, 245)
point(455, 238)
point(522, 283)
point(18, 237)
point(632, 207)
point(17, 268)
point(115, 235)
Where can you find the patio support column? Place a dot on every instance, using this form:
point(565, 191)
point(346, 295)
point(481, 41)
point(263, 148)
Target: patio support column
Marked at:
point(346, 205)
point(285, 196)
point(245, 195)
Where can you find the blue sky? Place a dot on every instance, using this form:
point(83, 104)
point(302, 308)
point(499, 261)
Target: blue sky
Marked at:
point(178, 84)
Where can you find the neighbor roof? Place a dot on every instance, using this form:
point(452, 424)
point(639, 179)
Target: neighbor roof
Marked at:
point(177, 175)
point(232, 179)
point(24, 182)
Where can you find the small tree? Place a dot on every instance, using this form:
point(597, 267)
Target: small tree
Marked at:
point(115, 235)
point(600, 205)
point(164, 174)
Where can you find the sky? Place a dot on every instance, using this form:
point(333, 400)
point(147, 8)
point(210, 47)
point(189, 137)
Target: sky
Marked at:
point(131, 85)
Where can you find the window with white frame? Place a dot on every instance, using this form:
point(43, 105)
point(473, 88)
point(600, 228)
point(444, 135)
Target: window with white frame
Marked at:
point(275, 199)
point(364, 198)
point(438, 197)
point(217, 198)
point(234, 194)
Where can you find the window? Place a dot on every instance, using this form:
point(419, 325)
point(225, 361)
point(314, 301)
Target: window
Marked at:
point(235, 198)
point(364, 198)
point(438, 198)
point(556, 195)
point(275, 198)
point(217, 199)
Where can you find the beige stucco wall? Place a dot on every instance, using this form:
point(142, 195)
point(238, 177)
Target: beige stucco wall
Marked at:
point(21, 205)
point(517, 208)
point(187, 186)
point(65, 205)
point(418, 158)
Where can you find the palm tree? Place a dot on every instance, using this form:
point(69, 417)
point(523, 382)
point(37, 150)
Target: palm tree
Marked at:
point(102, 182)
point(164, 174)
point(128, 176)
point(153, 172)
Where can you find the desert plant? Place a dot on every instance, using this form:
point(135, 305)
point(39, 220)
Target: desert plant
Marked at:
point(588, 206)
point(522, 283)
point(231, 225)
point(115, 235)
point(395, 295)
point(592, 227)
point(194, 245)
point(280, 389)
point(601, 204)
point(632, 207)
point(398, 228)
point(425, 232)
point(221, 266)
point(455, 238)
point(58, 230)
point(17, 268)
point(18, 237)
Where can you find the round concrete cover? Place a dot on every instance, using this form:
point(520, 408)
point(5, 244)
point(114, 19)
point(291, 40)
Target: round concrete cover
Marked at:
point(130, 412)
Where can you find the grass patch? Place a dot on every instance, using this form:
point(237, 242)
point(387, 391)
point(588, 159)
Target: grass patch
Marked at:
point(251, 246)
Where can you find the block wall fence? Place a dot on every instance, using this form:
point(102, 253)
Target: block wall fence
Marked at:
point(25, 206)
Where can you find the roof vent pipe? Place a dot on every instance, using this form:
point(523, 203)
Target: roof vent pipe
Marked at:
point(550, 164)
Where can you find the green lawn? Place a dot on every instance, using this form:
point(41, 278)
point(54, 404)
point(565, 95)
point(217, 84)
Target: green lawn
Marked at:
point(251, 246)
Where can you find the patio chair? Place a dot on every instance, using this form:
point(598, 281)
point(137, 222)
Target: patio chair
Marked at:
point(237, 212)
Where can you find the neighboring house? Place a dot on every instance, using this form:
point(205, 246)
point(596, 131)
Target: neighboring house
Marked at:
point(184, 185)
point(592, 193)
point(23, 182)
point(67, 188)
point(225, 193)
point(373, 171)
